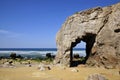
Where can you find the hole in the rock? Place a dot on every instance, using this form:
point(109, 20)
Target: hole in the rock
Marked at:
point(79, 54)
point(117, 30)
point(87, 42)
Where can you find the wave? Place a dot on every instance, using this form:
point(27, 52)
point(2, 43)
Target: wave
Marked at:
point(38, 53)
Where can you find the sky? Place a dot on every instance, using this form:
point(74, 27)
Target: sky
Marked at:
point(34, 23)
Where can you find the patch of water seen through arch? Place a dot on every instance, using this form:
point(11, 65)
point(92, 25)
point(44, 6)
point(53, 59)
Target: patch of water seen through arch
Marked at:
point(78, 54)
point(80, 49)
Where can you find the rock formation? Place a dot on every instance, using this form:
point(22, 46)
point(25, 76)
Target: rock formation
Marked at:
point(100, 29)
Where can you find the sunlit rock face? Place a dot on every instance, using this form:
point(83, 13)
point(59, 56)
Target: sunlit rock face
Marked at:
point(100, 29)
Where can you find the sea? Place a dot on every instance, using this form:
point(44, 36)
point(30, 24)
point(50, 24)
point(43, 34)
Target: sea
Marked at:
point(36, 52)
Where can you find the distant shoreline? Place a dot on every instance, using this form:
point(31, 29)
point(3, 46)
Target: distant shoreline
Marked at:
point(34, 49)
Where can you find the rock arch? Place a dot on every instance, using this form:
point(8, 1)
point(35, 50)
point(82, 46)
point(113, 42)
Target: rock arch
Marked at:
point(89, 39)
point(97, 27)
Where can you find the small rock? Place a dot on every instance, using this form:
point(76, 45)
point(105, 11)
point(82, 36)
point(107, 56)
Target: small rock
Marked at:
point(26, 62)
point(43, 67)
point(109, 67)
point(96, 77)
point(74, 70)
point(29, 65)
point(8, 64)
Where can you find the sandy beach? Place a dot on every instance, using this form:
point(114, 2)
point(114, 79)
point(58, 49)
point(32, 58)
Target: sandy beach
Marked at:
point(59, 40)
point(56, 73)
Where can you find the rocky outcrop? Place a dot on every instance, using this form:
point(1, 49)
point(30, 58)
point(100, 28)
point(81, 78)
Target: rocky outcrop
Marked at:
point(100, 29)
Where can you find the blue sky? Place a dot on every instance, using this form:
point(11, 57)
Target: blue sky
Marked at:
point(34, 23)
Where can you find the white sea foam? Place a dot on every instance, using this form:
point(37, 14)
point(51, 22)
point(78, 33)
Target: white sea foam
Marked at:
point(81, 52)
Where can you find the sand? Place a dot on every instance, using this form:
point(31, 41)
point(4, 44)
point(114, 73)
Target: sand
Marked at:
point(56, 73)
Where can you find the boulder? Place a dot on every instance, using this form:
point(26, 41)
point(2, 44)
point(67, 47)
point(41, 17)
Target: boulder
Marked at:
point(99, 28)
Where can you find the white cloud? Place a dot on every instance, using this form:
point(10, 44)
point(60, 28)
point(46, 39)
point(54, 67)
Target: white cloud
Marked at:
point(8, 33)
point(4, 31)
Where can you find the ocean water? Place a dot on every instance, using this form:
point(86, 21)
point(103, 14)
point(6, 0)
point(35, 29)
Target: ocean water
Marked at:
point(36, 52)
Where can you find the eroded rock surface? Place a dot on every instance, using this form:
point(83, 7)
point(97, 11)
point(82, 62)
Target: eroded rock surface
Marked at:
point(100, 29)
